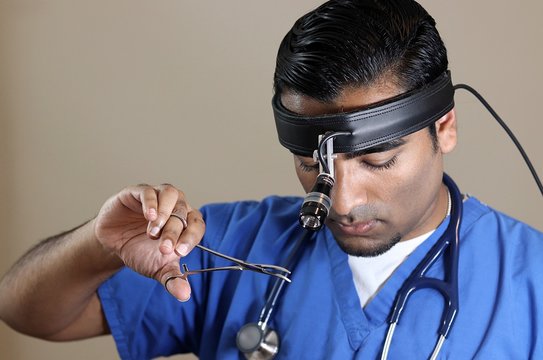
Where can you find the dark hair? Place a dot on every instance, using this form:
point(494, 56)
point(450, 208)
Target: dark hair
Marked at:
point(353, 43)
point(350, 43)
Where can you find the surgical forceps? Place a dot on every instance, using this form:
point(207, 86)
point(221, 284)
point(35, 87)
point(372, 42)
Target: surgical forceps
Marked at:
point(271, 270)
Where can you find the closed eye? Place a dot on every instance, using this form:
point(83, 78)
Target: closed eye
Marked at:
point(380, 166)
point(306, 166)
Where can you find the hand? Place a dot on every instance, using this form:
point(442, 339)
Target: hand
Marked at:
point(136, 224)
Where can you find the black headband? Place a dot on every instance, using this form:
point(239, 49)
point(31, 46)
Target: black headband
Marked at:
point(370, 126)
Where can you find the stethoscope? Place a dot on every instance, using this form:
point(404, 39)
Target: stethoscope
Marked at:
point(448, 287)
point(257, 341)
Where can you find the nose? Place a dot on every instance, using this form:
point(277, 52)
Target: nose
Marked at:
point(349, 191)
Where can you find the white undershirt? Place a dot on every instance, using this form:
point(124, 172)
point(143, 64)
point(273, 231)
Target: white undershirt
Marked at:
point(370, 273)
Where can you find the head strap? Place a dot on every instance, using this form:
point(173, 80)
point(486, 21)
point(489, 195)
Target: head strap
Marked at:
point(371, 126)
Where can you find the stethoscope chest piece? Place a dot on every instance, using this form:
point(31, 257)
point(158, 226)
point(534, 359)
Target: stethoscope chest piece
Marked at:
point(256, 343)
point(256, 340)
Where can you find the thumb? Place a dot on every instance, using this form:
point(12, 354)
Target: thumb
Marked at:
point(174, 281)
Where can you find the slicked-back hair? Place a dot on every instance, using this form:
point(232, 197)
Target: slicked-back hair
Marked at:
point(358, 43)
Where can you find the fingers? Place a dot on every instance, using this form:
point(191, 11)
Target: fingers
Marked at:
point(192, 234)
point(149, 203)
point(180, 235)
point(170, 199)
point(170, 233)
point(175, 283)
point(171, 219)
point(158, 203)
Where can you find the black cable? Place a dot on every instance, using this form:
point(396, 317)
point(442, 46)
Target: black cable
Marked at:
point(289, 263)
point(293, 256)
point(507, 130)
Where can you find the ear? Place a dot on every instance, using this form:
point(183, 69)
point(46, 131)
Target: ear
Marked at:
point(446, 132)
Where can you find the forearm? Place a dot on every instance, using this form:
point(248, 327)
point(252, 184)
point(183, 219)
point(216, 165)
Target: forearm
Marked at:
point(52, 287)
point(51, 292)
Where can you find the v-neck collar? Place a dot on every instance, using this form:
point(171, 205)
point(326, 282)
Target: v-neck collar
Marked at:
point(360, 322)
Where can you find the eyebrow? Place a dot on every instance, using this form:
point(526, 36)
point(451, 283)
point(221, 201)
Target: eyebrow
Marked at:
point(377, 148)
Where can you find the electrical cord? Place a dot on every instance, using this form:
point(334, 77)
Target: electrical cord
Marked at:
point(507, 130)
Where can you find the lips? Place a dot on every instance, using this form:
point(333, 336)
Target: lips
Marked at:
point(355, 229)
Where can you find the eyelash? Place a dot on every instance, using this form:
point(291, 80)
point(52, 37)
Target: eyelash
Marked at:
point(390, 163)
point(308, 168)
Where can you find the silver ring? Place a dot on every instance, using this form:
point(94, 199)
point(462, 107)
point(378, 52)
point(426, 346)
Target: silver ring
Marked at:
point(183, 220)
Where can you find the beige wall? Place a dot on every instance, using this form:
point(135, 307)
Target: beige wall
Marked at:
point(96, 95)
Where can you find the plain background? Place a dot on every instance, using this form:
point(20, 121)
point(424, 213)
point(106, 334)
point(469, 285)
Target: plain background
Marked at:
point(97, 95)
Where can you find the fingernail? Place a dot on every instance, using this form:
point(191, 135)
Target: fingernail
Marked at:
point(182, 249)
point(154, 231)
point(184, 300)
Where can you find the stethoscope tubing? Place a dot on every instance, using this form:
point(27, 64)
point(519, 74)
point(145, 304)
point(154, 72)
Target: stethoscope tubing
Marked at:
point(448, 242)
point(266, 344)
point(447, 247)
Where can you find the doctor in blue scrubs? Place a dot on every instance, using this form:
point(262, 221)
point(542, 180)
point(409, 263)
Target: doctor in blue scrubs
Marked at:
point(390, 206)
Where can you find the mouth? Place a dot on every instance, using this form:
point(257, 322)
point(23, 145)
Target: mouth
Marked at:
point(360, 228)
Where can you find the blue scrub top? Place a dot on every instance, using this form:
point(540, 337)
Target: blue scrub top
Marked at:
point(319, 314)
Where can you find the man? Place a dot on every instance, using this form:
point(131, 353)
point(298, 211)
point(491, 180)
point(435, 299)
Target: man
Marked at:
point(390, 207)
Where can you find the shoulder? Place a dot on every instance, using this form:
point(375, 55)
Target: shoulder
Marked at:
point(479, 217)
point(517, 246)
point(500, 277)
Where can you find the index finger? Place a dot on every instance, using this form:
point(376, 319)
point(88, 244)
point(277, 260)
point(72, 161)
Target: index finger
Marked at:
point(149, 202)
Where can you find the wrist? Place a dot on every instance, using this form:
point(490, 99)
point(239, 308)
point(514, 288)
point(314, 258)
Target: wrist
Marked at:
point(105, 259)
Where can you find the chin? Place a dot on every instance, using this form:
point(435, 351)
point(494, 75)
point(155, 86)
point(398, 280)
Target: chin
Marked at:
point(365, 247)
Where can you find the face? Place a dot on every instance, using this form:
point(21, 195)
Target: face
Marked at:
point(383, 195)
